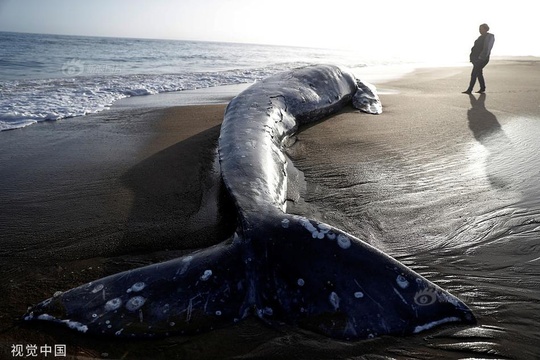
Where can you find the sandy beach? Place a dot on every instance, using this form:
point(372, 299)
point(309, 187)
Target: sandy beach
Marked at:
point(444, 182)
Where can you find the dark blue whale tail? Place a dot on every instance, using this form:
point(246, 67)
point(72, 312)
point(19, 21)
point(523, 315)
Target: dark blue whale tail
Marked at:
point(296, 271)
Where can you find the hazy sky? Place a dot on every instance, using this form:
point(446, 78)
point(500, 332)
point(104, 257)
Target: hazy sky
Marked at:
point(422, 28)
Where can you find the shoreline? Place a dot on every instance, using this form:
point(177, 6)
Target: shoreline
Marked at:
point(376, 74)
point(199, 96)
point(95, 195)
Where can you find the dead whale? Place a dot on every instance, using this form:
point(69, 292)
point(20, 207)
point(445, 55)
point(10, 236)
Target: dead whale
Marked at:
point(279, 267)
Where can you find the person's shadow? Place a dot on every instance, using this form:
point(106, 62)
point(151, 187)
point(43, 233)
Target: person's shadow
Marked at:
point(482, 122)
point(488, 132)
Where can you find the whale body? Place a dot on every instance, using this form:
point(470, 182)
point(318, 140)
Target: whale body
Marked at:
point(279, 267)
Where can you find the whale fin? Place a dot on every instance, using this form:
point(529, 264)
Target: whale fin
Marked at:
point(191, 294)
point(327, 281)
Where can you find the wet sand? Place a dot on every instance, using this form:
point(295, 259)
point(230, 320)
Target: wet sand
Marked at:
point(445, 182)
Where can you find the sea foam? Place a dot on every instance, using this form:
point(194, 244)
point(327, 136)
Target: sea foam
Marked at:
point(26, 102)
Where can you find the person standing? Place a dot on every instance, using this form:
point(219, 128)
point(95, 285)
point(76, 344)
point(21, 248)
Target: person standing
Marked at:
point(480, 57)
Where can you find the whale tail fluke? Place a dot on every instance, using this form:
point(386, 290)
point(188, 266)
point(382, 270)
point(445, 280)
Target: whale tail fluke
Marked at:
point(296, 271)
point(188, 295)
point(329, 282)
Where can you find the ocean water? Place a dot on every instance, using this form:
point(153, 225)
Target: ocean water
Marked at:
point(52, 77)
